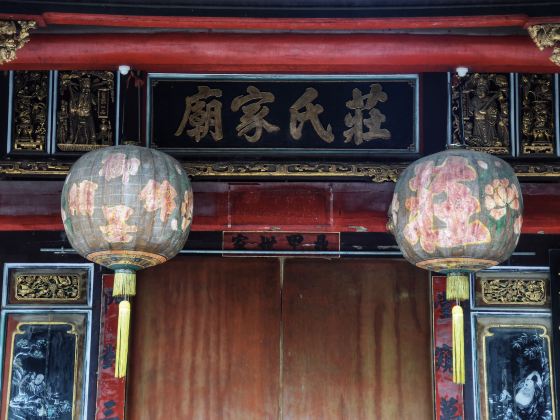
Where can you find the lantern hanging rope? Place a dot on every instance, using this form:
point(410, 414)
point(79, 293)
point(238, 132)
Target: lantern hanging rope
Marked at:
point(457, 212)
point(126, 208)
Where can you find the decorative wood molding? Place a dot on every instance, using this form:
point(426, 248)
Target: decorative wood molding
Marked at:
point(513, 291)
point(48, 287)
point(14, 34)
point(546, 36)
point(376, 172)
point(26, 168)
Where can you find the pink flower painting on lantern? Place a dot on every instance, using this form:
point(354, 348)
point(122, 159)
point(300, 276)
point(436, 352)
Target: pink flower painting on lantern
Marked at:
point(186, 209)
point(441, 212)
point(159, 196)
point(117, 165)
point(499, 196)
point(116, 229)
point(81, 198)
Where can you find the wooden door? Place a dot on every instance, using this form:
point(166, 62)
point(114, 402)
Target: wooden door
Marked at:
point(205, 340)
point(356, 341)
point(228, 338)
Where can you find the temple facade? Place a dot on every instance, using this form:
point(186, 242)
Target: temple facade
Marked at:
point(293, 296)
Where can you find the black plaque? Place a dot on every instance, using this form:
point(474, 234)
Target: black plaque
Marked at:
point(283, 116)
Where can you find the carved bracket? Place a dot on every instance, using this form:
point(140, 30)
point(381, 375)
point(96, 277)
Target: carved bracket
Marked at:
point(546, 36)
point(14, 34)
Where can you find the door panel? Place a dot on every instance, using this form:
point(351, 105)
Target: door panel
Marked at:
point(356, 340)
point(205, 340)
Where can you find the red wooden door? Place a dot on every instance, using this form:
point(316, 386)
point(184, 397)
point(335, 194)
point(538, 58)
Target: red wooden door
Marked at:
point(205, 340)
point(356, 340)
point(227, 338)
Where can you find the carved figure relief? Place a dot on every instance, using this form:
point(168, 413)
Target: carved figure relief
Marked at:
point(84, 110)
point(483, 107)
point(536, 114)
point(31, 89)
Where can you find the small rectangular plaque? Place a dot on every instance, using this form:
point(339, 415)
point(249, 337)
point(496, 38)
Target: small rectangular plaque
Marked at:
point(47, 285)
point(512, 289)
point(267, 241)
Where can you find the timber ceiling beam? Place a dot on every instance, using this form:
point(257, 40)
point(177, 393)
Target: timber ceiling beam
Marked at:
point(274, 24)
point(281, 53)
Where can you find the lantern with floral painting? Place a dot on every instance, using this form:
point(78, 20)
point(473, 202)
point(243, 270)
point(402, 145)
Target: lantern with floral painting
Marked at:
point(457, 212)
point(126, 208)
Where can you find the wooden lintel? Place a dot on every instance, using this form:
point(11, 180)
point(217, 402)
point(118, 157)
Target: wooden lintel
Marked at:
point(282, 53)
point(256, 206)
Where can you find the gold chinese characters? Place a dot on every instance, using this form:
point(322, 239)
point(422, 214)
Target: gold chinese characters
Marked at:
point(202, 116)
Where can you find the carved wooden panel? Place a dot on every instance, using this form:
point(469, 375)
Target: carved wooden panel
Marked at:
point(30, 112)
point(480, 108)
point(85, 115)
point(48, 286)
point(536, 119)
point(514, 290)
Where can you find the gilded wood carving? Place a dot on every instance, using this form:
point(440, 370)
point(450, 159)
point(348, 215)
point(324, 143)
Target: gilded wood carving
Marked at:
point(85, 110)
point(513, 291)
point(14, 34)
point(546, 36)
point(48, 287)
point(480, 112)
point(536, 114)
point(31, 90)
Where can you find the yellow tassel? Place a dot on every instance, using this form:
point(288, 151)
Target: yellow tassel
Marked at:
point(125, 283)
point(122, 339)
point(457, 287)
point(458, 345)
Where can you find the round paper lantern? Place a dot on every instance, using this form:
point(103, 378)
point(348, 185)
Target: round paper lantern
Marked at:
point(126, 208)
point(457, 212)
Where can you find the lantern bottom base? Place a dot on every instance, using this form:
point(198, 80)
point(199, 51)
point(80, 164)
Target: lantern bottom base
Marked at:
point(445, 265)
point(132, 260)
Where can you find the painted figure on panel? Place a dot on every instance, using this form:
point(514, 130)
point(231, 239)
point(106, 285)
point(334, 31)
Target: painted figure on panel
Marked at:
point(521, 390)
point(33, 396)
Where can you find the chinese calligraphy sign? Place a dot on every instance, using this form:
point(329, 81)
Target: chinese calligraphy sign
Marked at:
point(279, 242)
point(316, 115)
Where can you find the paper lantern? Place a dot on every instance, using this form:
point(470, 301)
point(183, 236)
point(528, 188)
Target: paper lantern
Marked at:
point(126, 208)
point(457, 212)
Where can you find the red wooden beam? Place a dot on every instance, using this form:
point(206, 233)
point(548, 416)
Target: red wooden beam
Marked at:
point(282, 53)
point(303, 206)
point(284, 24)
point(276, 24)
